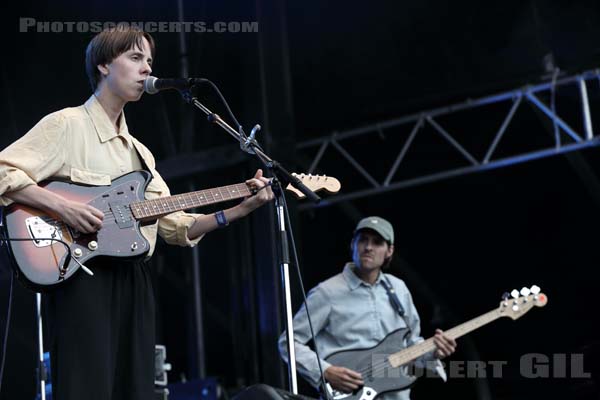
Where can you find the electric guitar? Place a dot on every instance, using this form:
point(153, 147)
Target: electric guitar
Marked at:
point(385, 369)
point(42, 262)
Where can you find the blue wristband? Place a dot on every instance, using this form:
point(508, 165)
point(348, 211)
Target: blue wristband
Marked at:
point(221, 220)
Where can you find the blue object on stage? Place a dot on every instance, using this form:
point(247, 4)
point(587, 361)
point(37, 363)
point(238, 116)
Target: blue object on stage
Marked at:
point(48, 383)
point(197, 389)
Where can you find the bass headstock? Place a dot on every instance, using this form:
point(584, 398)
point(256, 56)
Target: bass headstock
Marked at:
point(518, 303)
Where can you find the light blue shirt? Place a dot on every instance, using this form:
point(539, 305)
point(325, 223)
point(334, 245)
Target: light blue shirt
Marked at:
point(348, 313)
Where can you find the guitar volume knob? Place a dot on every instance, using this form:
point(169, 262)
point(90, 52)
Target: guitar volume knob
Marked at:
point(77, 253)
point(93, 245)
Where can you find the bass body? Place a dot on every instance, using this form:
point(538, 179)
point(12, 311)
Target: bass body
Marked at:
point(378, 374)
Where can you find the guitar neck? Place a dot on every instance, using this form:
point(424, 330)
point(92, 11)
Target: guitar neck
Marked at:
point(153, 209)
point(413, 352)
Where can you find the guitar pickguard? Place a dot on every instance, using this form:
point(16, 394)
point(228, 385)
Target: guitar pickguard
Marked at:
point(43, 263)
point(119, 236)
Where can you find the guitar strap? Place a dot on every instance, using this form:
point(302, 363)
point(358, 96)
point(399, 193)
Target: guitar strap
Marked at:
point(392, 295)
point(394, 299)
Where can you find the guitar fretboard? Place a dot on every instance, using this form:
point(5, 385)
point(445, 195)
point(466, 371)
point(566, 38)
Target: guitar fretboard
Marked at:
point(152, 209)
point(412, 353)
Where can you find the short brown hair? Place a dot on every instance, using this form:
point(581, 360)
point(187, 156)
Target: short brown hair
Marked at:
point(110, 44)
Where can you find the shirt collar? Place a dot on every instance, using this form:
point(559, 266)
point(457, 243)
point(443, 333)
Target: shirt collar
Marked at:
point(353, 280)
point(105, 128)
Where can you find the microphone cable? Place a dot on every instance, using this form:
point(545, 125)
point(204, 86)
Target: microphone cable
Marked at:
point(222, 98)
point(297, 265)
point(229, 112)
point(292, 241)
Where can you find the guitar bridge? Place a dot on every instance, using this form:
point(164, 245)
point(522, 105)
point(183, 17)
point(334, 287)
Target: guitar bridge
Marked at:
point(42, 229)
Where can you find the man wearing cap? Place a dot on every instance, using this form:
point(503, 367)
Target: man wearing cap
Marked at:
point(354, 310)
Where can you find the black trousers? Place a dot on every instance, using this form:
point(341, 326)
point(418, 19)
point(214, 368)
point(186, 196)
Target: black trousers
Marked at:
point(102, 333)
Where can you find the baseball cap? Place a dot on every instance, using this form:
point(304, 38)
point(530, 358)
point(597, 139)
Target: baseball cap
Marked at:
point(379, 225)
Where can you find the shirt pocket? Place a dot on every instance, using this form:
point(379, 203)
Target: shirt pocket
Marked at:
point(89, 178)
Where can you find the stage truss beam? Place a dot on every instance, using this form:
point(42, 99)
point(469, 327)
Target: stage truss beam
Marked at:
point(338, 142)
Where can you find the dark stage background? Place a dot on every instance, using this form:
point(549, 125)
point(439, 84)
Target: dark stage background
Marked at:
point(316, 67)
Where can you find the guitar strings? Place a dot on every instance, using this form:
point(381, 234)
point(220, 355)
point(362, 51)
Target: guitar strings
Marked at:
point(412, 353)
point(110, 217)
point(377, 368)
point(211, 198)
point(374, 369)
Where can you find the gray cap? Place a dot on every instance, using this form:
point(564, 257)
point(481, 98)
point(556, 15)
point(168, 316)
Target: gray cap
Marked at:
point(379, 225)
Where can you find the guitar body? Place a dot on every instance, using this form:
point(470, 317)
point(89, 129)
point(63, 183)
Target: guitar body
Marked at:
point(38, 262)
point(379, 376)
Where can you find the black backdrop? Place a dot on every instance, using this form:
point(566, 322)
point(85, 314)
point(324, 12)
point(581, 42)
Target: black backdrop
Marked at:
point(461, 242)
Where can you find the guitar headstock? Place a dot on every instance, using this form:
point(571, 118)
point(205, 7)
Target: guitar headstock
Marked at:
point(518, 303)
point(315, 183)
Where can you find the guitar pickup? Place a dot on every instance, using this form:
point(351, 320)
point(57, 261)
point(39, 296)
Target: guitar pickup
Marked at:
point(122, 214)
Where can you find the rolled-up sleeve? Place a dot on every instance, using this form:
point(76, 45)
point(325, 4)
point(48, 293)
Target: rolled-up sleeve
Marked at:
point(36, 156)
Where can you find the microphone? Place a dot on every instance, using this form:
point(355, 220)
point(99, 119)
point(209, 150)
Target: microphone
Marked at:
point(153, 85)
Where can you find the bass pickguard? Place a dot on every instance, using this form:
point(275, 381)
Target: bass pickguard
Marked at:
point(379, 376)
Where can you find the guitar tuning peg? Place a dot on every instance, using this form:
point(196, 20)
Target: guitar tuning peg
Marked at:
point(505, 296)
point(535, 289)
point(515, 294)
point(525, 291)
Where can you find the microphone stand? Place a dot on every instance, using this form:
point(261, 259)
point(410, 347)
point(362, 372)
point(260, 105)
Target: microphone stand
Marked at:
point(42, 372)
point(281, 179)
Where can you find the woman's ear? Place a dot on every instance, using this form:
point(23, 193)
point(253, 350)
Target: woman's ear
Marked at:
point(103, 68)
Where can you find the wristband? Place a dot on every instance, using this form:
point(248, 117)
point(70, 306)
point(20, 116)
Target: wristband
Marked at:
point(221, 220)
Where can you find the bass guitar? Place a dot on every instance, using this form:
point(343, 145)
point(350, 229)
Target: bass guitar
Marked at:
point(385, 368)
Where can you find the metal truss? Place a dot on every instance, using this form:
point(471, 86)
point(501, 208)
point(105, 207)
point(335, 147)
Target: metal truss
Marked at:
point(337, 144)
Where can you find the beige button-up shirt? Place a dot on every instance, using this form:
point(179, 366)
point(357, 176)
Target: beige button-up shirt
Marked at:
point(80, 144)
